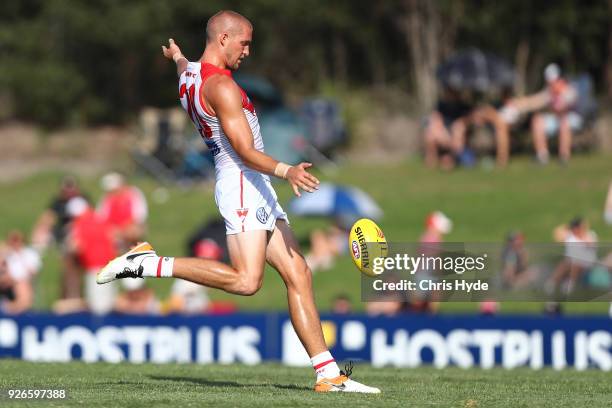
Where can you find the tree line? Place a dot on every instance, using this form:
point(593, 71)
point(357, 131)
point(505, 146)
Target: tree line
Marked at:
point(67, 62)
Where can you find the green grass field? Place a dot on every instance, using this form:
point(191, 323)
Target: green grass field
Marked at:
point(484, 205)
point(268, 385)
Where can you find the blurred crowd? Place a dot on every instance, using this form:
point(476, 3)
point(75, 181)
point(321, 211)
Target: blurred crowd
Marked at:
point(573, 262)
point(558, 113)
point(557, 276)
point(87, 237)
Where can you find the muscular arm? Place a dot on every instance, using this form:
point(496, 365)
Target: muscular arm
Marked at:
point(226, 100)
point(224, 97)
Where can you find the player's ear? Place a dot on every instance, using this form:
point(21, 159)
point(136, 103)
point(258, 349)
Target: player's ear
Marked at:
point(223, 38)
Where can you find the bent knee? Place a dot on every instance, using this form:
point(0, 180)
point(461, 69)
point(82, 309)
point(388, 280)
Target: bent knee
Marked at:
point(249, 286)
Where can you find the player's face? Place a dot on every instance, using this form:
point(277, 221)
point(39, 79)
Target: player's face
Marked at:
point(238, 47)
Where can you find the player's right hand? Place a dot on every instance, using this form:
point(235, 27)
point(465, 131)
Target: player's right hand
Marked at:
point(171, 49)
point(299, 178)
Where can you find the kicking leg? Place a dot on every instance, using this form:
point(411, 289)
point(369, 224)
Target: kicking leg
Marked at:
point(247, 255)
point(244, 277)
point(283, 254)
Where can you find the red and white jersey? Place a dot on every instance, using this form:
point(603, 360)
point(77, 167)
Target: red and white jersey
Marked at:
point(226, 159)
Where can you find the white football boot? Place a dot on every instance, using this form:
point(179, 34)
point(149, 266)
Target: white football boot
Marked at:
point(128, 265)
point(343, 383)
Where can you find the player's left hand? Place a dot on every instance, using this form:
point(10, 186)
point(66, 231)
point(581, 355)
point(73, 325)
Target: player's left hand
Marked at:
point(299, 178)
point(171, 49)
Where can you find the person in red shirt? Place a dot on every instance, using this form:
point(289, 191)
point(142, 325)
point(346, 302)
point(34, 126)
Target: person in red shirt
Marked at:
point(90, 239)
point(124, 209)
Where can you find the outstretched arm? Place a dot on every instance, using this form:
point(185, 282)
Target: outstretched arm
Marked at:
point(174, 52)
point(226, 100)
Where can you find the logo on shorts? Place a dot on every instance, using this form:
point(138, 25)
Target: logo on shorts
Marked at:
point(242, 212)
point(355, 248)
point(262, 215)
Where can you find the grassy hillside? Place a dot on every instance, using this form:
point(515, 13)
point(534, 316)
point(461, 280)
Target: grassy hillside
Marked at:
point(483, 203)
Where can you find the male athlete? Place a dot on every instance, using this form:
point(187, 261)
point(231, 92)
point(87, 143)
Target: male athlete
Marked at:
point(257, 227)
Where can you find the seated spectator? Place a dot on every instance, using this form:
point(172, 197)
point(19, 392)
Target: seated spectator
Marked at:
point(561, 119)
point(16, 291)
point(20, 256)
point(90, 241)
point(390, 303)
point(580, 254)
point(484, 115)
point(559, 116)
point(51, 226)
point(327, 244)
point(124, 208)
point(137, 299)
point(445, 130)
point(209, 241)
point(516, 272)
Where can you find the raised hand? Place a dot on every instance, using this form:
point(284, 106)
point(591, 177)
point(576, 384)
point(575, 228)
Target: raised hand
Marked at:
point(171, 50)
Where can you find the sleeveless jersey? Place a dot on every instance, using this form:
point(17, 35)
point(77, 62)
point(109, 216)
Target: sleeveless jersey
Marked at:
point(226, 159)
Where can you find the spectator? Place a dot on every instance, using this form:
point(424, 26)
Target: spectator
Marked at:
point(90, 241)
point(187, 298)
point(209, 241)
point(341, 304)
point(137, 299)
point(51, 226)
point(436, 226)
point(445, 130)
point(124, 208)
point(21, 257)
point(488, 308)
point(16, 292)
point(516, 272)
point(483, 115)
point(327, 244)
point(388, 303)
point(557, 100)
point(580, 254)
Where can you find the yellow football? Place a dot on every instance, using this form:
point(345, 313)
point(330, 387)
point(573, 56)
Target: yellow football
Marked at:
point(367, 242)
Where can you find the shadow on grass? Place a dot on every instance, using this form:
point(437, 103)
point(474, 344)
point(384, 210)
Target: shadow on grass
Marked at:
point(211, 383)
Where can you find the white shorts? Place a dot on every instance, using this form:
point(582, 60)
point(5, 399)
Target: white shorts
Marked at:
point(247, 202)
point(552, 124)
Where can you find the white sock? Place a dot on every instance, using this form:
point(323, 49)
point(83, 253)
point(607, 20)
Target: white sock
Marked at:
point(157, 266)
point(325, 366)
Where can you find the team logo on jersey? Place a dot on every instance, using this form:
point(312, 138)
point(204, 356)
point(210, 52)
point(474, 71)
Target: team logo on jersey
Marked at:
point(242, 212)
point(262, 215)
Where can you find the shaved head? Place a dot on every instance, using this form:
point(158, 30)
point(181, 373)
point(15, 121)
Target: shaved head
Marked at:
point(225, 21)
